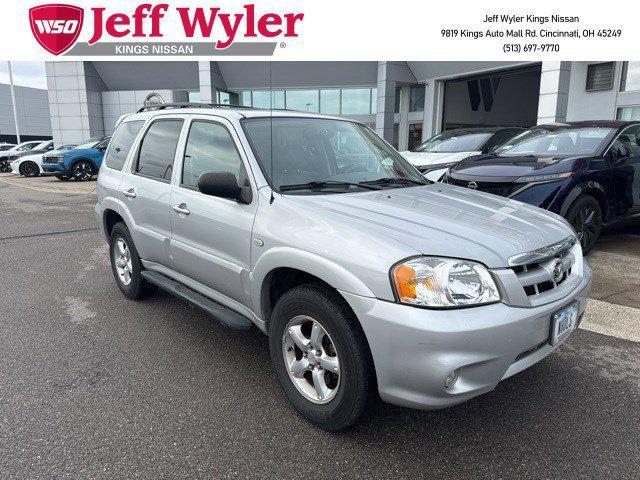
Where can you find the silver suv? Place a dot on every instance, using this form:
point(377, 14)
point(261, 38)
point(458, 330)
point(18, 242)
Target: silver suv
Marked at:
point(367, 279)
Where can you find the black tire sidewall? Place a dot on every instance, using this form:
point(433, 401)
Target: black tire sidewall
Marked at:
point(316, 303)
point(575, 208)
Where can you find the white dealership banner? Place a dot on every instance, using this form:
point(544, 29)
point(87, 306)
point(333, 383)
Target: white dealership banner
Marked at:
point(319, 30)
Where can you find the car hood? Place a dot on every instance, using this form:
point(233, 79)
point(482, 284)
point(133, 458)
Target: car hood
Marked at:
point(420, 159)
point(503, 167)
point(444, 220)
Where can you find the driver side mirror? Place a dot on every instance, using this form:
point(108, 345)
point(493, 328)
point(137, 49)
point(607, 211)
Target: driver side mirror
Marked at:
point(225, 185)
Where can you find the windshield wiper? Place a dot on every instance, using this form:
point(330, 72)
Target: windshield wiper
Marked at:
point(395, 181)
point(323, 185)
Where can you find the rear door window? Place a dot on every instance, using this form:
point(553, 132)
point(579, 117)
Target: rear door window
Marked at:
point(158, 149)
point(121, 144)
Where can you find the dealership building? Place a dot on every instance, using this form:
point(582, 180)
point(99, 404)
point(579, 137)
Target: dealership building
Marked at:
point(405, 102)
point(32, 114)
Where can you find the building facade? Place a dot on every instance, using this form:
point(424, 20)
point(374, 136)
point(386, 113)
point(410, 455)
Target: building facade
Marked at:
point(406, 102)
point(32, 109)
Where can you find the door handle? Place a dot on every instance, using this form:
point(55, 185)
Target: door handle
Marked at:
point(181, 209)
point(131, 193)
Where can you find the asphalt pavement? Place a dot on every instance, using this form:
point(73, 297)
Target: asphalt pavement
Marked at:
point(95, 386)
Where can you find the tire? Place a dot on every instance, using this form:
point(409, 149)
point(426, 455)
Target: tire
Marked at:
point(62, 178)
point(585, 216)
point(29, 169)
point(4, 167)
point(82, 171)
point(353, 391)
point(137, 287)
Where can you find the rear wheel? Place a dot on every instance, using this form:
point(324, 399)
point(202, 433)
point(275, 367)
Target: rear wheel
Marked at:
point(29, 169)
point(321, 357)
point(127, 266)
point(585, 216)
point(82, 171)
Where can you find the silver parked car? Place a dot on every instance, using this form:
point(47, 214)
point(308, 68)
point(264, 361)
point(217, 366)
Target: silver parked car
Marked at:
point(367, 279)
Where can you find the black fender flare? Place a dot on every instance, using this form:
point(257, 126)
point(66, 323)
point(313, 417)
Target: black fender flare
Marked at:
point(583, 188)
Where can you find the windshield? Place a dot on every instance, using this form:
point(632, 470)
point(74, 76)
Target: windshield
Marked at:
point(322, 150)
point(92, 142)
point(455, 142)
point(41, 146)
point(559, 143)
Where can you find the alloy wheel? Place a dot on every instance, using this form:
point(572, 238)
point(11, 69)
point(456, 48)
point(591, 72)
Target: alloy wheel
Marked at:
point(311, 359)
point(82, 171)
point(122, 260)
point(586, 225)
point(29, 169)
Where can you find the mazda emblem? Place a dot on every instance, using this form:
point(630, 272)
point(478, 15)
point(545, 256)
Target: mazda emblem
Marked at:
point(557, 271)
point(472, 185)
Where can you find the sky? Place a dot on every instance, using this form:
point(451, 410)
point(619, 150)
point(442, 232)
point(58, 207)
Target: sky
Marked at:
point(26, 74)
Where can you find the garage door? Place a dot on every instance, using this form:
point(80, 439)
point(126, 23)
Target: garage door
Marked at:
point(503, 98)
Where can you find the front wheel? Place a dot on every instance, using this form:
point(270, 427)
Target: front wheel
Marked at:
point(585, 216)
point(29, 169)
point(321, 357)
point(82, 171)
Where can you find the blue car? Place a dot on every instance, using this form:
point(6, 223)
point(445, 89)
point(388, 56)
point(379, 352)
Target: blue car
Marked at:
point(80, 163)
point(588, 172)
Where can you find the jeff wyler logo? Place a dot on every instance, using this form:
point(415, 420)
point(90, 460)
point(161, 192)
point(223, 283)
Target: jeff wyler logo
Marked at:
point(56, 27)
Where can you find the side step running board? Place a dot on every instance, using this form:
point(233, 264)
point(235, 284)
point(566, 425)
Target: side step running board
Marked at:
point(221, 313)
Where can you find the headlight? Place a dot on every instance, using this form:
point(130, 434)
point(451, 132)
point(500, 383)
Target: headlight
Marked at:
point(443, 283)
point(544, 178)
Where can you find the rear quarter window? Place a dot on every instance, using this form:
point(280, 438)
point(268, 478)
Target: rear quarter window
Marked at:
point(121, 144)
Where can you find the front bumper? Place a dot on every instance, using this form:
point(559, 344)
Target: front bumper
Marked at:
point(53, 168)
point(414, 349)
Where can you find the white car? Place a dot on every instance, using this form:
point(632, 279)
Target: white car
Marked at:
point(31, 165)
point(435, 156)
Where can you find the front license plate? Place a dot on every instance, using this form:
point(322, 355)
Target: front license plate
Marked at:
point(564, 322)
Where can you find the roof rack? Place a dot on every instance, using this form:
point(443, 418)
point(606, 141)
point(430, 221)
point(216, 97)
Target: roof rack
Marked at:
point(165, 106)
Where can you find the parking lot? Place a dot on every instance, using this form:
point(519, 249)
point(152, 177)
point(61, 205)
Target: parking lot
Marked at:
point(95, 386)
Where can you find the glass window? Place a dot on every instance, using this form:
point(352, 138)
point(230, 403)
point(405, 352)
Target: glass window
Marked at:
point(330, 101)
point(628, 113)
point(193, 97)
point(374, 100)
point(500, 138)
point(245, 98)
point(263, 99)
point(455, 141)
point(631, 76)
point(121, 143)
point(228, 98)
point(356, 101)
point(158, 149)
point(561, 143)
point(303, 100)
point(398, 94)
point(210, 148)
point(629, 138)
point(416, 98)
point(313, 149)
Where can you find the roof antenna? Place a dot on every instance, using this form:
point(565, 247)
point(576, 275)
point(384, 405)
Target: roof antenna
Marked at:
point(271, 128)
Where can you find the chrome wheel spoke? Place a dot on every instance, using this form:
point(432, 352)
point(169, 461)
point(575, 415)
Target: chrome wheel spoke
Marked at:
point(319, 383)
point(295, 334)
point(317, 334)
point(298, 367)
point(329, 363)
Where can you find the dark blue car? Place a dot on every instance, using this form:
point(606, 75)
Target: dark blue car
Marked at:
point(588, 172)
point(80, 163)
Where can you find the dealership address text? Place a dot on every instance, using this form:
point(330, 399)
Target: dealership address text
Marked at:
point(531, 33)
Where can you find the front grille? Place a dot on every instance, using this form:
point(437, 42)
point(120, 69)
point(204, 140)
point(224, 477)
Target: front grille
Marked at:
point(539, 277)
point(497, 188)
